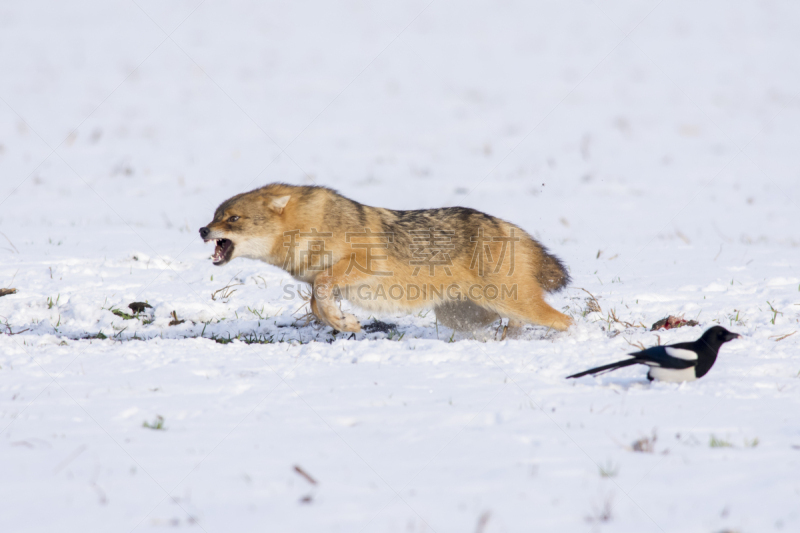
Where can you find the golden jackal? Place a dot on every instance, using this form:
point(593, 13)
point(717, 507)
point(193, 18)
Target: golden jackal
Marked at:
point(472, 268)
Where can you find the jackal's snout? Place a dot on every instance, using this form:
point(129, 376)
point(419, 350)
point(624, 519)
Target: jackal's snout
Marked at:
point(223, 251)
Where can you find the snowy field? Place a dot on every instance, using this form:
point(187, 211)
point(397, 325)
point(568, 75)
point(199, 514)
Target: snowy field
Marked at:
point(653, 146)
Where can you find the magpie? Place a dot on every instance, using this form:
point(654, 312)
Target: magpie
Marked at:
point(684, 361)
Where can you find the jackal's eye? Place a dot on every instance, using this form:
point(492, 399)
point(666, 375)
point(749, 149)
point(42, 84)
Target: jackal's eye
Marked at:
point(233, 218)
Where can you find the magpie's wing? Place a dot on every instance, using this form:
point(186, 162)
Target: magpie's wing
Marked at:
point(605, 368)
point(667, 356)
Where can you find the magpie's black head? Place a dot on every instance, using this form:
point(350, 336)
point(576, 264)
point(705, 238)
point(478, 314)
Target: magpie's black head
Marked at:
point(707, 348)
point(717, 336)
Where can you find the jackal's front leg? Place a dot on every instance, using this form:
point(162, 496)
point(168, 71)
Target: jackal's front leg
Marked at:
point(326, 310)
point(323, 299)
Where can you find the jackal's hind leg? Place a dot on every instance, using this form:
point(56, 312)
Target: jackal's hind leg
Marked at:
point(535, 311)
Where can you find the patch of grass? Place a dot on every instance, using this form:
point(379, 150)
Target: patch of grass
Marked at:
point(592, 305)
point(225, 292)
point(158, 423)
point(258, 312)
point(775, 313)
point(247, 338)
point(393, 333)
point(719, 443)
point(222, 340)
point(9, 332)
point(751, 443)
point(53, 303)
point(256, 338)
point(122, 314)
point(637, 344)
point(609, 469)
point(735, 320)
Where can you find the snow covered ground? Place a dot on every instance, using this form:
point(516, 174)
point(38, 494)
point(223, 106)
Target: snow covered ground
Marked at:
point(653, 146)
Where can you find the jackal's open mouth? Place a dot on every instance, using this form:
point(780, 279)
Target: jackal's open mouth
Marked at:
point(222, 252)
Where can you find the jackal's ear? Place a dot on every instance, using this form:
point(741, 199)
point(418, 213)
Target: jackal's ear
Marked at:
point(278, 203)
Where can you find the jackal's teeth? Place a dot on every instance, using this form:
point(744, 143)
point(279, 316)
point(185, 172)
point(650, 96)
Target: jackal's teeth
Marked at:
point(222, 250)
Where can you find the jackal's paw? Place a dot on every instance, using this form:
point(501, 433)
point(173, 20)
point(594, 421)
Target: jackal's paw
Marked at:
point(338, 320)
point(562, 324)
point(345, 322)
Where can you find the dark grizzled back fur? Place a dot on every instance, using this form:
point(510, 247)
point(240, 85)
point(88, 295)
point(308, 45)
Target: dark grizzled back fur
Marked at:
point(464, 222)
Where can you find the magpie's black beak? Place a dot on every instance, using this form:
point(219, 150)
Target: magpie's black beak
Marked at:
point(730, 336)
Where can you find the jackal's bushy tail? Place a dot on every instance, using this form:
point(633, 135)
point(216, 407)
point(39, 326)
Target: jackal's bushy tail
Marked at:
point(553, 275)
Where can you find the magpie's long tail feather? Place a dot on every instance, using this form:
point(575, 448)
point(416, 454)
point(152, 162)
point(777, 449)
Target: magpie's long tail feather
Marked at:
point(605, 368)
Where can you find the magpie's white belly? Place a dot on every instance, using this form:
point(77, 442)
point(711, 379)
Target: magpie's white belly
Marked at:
point(672, 375)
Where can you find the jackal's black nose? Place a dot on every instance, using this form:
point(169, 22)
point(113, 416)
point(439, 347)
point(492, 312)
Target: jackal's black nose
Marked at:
point(204, 232)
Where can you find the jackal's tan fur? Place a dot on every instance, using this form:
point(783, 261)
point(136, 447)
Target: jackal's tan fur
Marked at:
point(472, 268)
